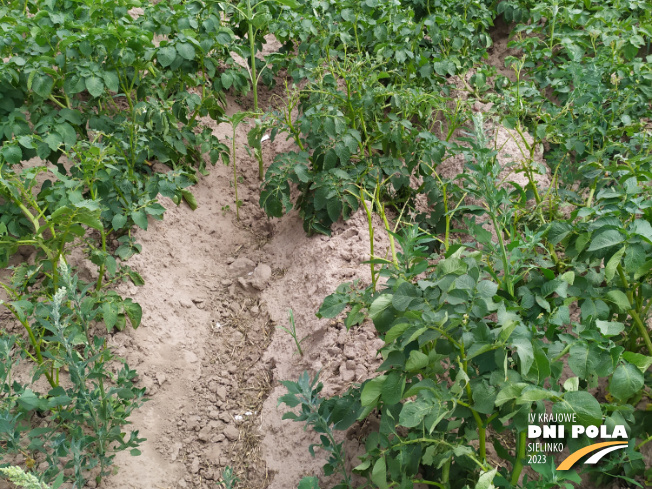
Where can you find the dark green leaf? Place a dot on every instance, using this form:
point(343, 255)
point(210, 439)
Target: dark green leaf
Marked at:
point(186, 51)
point(583, 405)
point(140, 218)
point(166, 56)
point(605, 239)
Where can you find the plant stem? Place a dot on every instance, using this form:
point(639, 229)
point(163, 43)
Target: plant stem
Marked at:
point(506, 273)
point(520, 456)
point(381, 209)
point(235, 173)
point(252, 47)
point(633, 312)
point(98, 285)
point(371, 238)
point(445, 472)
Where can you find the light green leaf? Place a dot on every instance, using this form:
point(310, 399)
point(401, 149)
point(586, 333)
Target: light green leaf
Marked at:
point(372, 390)
point(612, 264)
point(379, 305)
point(379, 474)
point(118, 221)
point(309, 483)
point(189, 199)
point(643, 362)
point(610, 328)
point(583, 359)
point(619, 299)
point(413, 413)
point(288, 3)
point(485, 481)
point(626, 381)
point(186, 51)
point(525, 354)
point(396, 331)
point(110, 315)
point(12, 154)
point(393, 387)
point(94, 85)
point(332, 306)
point(572, 384)
point(487, 288)
point(43, 85)
point(417, 361)
point(111, 81)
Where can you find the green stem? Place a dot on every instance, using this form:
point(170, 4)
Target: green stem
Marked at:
point(445, 472)
point(381, 210)
point(371, 239)
point(252, 47)
point(520, 456)
point(429, 483)
point(647, 440)
point(98, 285)
point(643, 330)
point(506, 273)
point(36, 344)
point(235, 174)
point(562, 353)
point(633, 312)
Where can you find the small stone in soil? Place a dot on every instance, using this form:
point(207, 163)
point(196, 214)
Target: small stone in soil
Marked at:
point(241, 265)
point(261, 276)
point(231, 432)
point(333, 351)
point(185, 303)
point(205, 434)
point(347, 375)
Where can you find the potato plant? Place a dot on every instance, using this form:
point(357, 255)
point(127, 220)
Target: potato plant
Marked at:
point(526, 283)
point(85, 88)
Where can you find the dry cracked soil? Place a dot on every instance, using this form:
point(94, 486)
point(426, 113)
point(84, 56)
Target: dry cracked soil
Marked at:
point(209, 350)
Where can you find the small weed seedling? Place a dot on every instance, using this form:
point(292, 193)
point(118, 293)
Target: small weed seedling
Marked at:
point(229, 480)
point(292, 331)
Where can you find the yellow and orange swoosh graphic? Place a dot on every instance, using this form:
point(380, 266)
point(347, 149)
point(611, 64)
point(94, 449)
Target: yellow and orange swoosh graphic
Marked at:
point(575, 456)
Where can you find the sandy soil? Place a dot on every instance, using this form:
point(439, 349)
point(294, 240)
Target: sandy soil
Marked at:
point(208, 349)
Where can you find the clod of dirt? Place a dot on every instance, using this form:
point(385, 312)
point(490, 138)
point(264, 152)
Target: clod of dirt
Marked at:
point(261, 276)
point(231, 432)
point(241, 265)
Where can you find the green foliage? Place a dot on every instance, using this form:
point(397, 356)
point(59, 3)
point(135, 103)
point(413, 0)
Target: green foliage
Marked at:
point(83, 422)
point(20, 478)
point(292, 331)
point(477, 337)
point(229, 480)
point(322, 417)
